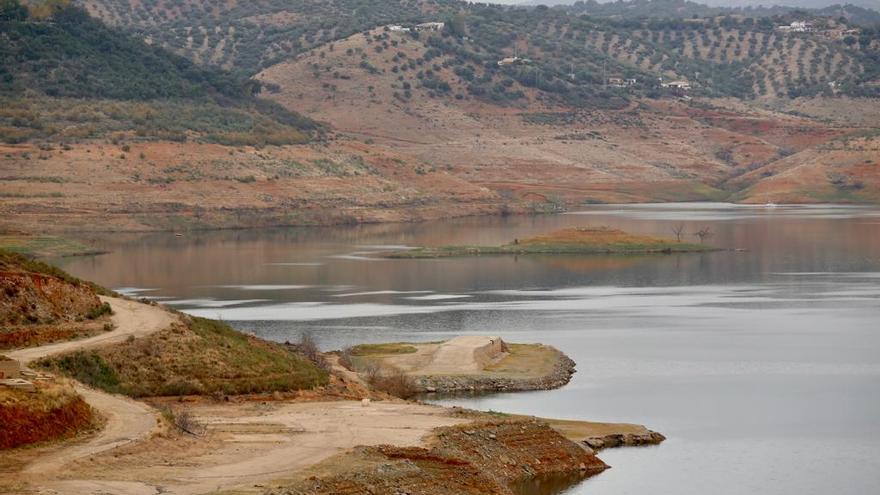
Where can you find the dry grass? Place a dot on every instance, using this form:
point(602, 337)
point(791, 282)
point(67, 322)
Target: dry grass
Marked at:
point(592, 236)
point(526, 360)
point(394, 382)
point(200, 358)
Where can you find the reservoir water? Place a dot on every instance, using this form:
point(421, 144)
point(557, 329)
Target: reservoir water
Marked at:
point(761, 363)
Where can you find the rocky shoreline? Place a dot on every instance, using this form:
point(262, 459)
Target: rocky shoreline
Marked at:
point(480, 458)
point(624, 440)
point(561, 374)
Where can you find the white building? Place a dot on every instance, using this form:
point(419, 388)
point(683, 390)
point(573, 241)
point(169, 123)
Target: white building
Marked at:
point(797, 27)
point(513, 61)
point(682, 85)
point(430, 26)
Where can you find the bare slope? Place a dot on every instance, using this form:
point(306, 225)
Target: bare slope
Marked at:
point(401, 93)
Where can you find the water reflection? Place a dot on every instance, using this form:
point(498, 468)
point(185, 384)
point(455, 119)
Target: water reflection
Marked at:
point(546, 485)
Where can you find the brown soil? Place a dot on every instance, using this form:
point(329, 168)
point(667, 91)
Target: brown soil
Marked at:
point(180, 186)
point(247, 443)
point(482, 458)
point(424, 159)
point(52, 412)
point(37, 308)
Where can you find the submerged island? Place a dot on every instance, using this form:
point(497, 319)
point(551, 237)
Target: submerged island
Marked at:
point(580, 240)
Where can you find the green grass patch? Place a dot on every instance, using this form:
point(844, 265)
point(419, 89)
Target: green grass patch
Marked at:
point(377, 349)
point(200, 358)
point(86, 367)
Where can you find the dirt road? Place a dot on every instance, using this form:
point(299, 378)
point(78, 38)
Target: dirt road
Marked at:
point(251, 444)
point(130, 318)
point(126, 420)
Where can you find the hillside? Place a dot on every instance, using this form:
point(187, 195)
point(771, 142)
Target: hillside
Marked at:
point(65, 76)
point(416, 99)
point(725, 55)
point(40, 304)
point(348, 112)
point(152, 141)
point(865, 14)
point(248, 36)
point(198, 358)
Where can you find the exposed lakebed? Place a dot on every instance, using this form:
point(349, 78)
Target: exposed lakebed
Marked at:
point(762, 367)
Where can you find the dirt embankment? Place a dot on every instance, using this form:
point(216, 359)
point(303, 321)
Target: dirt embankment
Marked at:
point(50, 412)
point(558, 375)
point(480, 458)
point(38, 307)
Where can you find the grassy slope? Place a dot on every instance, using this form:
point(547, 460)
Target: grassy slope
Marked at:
point(46, 64)
point(568, 241)
point(203, 357)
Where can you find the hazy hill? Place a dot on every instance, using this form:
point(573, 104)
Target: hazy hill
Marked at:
point(865, 12)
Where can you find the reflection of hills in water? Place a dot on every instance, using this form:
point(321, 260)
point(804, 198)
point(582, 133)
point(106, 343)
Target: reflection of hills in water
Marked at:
point(200, 264)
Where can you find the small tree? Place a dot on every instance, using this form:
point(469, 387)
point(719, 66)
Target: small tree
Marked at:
point(704, 233)
point(678, 230)
point(309, 348)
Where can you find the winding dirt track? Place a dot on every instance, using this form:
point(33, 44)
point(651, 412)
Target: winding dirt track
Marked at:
point(127, 420)
point(130, 319)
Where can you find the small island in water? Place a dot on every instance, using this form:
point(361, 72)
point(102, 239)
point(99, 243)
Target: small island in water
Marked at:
point(580, 240)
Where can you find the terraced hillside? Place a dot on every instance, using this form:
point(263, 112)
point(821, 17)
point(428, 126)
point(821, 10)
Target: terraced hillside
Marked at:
point(499, 110)
point(418, 99)
point(569, 56)
point(247, 36)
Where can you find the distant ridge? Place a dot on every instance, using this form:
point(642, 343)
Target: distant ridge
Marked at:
point(865, 13)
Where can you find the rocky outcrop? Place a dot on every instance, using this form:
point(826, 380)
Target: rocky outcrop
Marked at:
point(34, 298)
point(482, 458)
point(37, 308)
point(561, 374)
point(624, 440)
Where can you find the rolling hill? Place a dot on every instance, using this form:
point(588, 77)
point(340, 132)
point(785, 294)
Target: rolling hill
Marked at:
point(726, 55)
point(181, 115)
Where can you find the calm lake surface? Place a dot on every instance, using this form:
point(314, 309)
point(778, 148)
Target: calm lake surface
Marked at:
point(761, 366)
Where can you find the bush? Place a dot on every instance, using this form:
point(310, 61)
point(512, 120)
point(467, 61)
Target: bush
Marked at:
point(309, 349)
point(86, 367)
point(395, 382)
point(345, 359)
point(99, 311)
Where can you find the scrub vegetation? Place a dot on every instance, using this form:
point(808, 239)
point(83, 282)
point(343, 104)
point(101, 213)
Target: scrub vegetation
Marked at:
point(199, 358)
